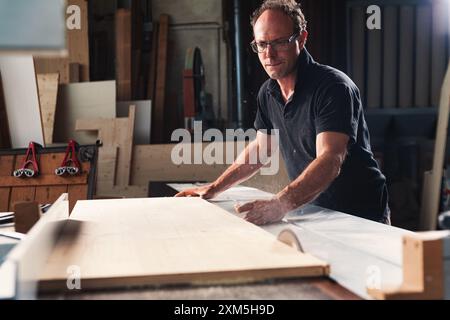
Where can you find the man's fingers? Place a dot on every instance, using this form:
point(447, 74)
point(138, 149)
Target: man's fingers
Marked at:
point(187, 193)
point(245, 207)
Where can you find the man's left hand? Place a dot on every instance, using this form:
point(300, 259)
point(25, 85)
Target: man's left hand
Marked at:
point(262, 212)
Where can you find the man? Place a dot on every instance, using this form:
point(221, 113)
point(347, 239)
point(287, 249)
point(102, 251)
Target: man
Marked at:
point(324, 139)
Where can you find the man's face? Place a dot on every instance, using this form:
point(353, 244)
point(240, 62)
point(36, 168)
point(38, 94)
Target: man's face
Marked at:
point(275, 25)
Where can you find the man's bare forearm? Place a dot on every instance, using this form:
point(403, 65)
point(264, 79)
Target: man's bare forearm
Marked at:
point(241, 170)
point(314, 180)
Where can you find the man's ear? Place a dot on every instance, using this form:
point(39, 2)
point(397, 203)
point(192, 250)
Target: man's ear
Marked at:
point(303, 39)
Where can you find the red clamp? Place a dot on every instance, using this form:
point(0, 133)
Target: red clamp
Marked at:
point(30, 159)
point(70, 165)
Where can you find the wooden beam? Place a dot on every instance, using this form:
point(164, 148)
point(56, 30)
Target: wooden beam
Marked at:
point(123, 54)
point(160, 91)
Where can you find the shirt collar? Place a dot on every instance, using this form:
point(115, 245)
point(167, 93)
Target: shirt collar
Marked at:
point(303, 62)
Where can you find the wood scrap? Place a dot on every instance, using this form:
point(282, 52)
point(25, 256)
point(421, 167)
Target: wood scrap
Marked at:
point(48, 93)
point(26, 214)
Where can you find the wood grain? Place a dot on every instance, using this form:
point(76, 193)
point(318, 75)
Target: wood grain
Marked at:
point(48, 93)
point(120, 243)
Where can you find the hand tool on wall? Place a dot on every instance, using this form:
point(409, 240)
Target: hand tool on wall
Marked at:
point(70, 164)
point(30, 159)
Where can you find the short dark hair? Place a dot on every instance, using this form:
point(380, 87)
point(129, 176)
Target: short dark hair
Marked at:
point(289, 7)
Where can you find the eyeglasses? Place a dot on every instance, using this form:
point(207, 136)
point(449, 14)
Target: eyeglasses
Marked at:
point(278, 45)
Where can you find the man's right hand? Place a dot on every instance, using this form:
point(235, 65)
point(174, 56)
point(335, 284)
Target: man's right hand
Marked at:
point(205, 192)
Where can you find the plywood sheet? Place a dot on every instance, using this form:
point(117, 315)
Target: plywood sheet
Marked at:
point(48, 93)
point(118, 243)
point(90, 100)
point(21, 100)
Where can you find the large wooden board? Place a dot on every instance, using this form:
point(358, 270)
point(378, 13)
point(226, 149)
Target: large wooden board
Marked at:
point(83, 101)
point(21, 100)
point(135, 242)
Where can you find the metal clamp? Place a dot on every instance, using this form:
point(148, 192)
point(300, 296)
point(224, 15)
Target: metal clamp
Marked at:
point(71, 165)
point(30, 159)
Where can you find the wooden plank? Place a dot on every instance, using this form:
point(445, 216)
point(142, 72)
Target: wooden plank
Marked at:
point(406, 57)
point(49, 194)
point(47, 179)
point(142, 127)
point(5, 139)
point(48, 93)
point(439, 60)
point(123, 54)
point(78, 41)
point(154, 163)
point(423, 51)
point(160, 90)
point(53, 65)
point(76, 193)
point(83, 101)
point(390, 65)
point(431, 190)
point(125, 130)
point(173, 241)
point(106, 166)
point(21, 100)
point(19, 194)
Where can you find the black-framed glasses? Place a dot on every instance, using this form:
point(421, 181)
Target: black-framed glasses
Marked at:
point(278, 45)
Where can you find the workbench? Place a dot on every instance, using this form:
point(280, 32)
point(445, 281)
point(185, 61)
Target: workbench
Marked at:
point(356, 249)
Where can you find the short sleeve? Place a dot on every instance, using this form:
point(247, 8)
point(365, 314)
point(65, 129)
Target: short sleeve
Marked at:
point(262, 120)
point(337, 110)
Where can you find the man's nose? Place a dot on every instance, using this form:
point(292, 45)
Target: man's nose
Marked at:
point(270, 51)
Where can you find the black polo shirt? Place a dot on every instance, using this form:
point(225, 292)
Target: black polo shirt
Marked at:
point(325, 99)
